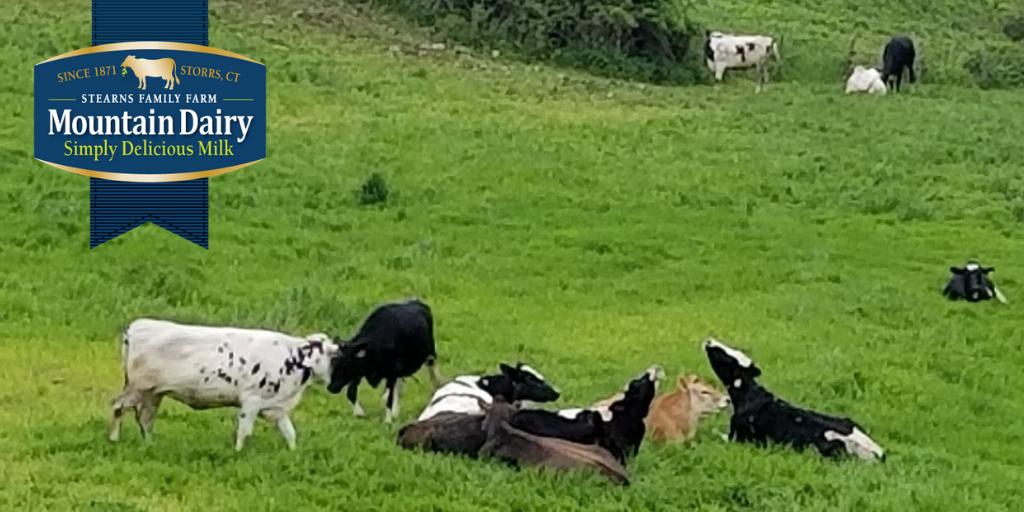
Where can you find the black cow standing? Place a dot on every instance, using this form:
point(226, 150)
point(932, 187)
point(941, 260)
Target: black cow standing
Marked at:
point(393, 343)
point(759, 417)
point(971, 283)
point(898, 55)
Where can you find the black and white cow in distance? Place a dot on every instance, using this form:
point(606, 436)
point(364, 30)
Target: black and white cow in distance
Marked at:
point(760, 417)
point(898, 55)
point(971, 283)
point(464, 393)
point(727, 51)
point(263, 373)
point(393, 343)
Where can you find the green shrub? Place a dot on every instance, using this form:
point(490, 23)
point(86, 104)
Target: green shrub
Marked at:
point(1013, 27)
point(996, 66)
point(649, 40)
point(374, 190)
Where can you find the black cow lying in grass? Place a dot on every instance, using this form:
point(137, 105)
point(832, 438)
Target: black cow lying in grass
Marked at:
point(519, 448)
point(761, 418)
point(971, 283)
point(619, 430)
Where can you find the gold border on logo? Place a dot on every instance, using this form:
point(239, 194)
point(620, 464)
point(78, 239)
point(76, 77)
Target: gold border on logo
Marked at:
point(150, 45)
point(150, 178)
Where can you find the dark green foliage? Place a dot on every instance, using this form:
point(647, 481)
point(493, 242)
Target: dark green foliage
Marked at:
point(1013, 27)
point(996, 66)
point(649, 40)
point(374, 190)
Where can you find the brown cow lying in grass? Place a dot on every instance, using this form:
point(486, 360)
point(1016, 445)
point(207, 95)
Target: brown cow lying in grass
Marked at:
point(674, 415)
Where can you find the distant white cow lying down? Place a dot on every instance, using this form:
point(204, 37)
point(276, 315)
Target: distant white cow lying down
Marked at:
point(867, 80)
point(261, 372)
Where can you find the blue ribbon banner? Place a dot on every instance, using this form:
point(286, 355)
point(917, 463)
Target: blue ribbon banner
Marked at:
point(149, 113)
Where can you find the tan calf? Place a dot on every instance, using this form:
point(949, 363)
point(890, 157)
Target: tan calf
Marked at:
point(674, 415)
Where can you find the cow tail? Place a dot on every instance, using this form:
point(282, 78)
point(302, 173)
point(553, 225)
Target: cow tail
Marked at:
point(174, 72)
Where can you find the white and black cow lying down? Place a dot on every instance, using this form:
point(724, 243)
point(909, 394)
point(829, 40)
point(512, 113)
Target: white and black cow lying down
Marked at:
point(464, 393)
point(971, 283)
point(393, 343)
point(760, 417)
point(727, 51)
point(263, 373)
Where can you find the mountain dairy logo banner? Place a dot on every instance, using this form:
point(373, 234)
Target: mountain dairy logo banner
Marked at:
point(149, 121)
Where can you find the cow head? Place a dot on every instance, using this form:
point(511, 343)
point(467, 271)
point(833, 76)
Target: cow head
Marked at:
point(973, 279)
point(704, 398)
point(528, 384)
point(636, 398)
point(734, 368)
point(347, 365)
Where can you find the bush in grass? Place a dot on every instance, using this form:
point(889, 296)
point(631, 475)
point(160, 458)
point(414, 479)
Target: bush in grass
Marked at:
point(651, 40)
point(996, 66)
point(374, 190)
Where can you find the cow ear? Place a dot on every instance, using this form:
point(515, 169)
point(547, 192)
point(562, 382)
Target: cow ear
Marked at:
point(956, 270)
point(506, 369)
point(683, 382)
point(986, 270)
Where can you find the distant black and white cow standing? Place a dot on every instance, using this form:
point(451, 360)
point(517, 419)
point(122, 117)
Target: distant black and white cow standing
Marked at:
point(971, 283)
point(760, 417)
point(261, 372)
point(898, 56)
point(726, 51)
point(393, 343)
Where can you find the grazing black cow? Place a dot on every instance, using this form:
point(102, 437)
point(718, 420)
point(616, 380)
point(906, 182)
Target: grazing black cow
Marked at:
point(518, 448)
point(971, 283)
point(759, 417)
point(620, 429)
point(393, 343)
point(898, 55)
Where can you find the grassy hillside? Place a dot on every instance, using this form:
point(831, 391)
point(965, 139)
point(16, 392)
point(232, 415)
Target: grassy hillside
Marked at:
point(587, 227)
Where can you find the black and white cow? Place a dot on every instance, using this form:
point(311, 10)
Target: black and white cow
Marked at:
point(393, 343)
point(726, 51)
point(898, 55)
point(760, 417)
point(971, 283)
point(263, 373)
point(465, 393)
point(619, 428)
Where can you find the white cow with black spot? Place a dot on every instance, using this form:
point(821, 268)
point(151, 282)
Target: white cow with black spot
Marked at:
point(727, 51)
point(263, 373)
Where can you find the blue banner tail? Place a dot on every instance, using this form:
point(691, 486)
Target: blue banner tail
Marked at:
point(181, 207)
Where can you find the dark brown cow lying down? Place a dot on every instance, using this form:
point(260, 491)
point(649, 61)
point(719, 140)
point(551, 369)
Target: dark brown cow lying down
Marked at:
point(519, 448)
point(447, 432)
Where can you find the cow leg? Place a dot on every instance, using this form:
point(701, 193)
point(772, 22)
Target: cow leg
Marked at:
point(246, 420)
point(284, 425)
point(128, 399)
point(147, 413)
point(391, 399)
point(719, 71)
point(760, 76)
point(142, 80)
point(353, 396)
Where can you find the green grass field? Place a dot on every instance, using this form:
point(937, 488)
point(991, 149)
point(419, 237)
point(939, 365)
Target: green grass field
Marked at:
point(588, 227)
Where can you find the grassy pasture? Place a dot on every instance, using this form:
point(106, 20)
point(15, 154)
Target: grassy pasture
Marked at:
point(585, 226)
